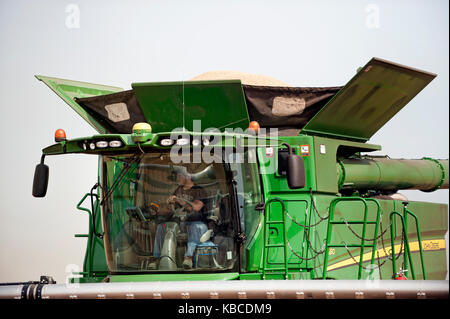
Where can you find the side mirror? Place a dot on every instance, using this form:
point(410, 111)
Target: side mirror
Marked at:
point(295, 172)
point(40, 180)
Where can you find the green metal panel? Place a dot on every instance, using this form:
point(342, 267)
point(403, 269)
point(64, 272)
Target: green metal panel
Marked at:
point(68, 90)
point(218, 104)
point(369, 100)
point(325, 151)
point(173, 277)
point(269, 166)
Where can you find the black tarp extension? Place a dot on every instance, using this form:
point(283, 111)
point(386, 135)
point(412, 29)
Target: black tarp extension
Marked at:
point(285, 108)
point(118, 112)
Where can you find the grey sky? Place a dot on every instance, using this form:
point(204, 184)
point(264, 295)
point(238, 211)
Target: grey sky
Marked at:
point(304, 43)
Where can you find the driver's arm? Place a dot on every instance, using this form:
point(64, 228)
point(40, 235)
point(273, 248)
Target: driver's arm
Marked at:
point(194, 213)
point(174, 200)
point(197, 205)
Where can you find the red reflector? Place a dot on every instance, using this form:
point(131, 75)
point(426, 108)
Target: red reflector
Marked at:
point(401, 277)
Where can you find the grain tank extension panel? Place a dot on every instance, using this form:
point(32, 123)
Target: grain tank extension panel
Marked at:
point(69, 90)
point(370, 99)
point(354, 112)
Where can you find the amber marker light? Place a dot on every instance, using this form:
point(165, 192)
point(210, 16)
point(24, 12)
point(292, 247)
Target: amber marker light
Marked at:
point(60, 135)
point(254, 126)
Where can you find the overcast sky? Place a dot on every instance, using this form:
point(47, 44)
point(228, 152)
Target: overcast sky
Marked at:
point(304, 43)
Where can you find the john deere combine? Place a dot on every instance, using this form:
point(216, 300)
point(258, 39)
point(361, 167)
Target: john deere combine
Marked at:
point(218, 189)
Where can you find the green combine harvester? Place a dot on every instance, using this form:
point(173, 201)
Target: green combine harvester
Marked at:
point(218, 189)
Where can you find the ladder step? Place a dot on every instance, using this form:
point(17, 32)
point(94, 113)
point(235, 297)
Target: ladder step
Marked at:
point(276, 273)
point(349, 245)
point(277, 270)
point(274, 222)
point(354, 222)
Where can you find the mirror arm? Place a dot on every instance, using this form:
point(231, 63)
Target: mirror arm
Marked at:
point(288, 146)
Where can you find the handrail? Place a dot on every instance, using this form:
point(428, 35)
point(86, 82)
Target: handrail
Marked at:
point(377, 225)
point(266, 238)
point(406, 212)
point(405, 238)
point(89, 265)
point(81, 202)
point(333, 204)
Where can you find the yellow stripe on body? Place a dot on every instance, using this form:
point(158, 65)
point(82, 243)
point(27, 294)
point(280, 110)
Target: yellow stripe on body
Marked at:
point(427, 245)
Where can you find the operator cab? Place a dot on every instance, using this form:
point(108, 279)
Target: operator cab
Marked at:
point(152, 220)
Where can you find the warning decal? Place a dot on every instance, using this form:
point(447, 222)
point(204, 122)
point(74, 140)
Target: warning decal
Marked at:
point(304, 150)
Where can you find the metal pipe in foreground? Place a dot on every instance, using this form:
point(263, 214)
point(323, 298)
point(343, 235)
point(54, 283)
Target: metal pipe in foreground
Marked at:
point(244, 289)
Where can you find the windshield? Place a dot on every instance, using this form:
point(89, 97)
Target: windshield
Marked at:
point(165, 217)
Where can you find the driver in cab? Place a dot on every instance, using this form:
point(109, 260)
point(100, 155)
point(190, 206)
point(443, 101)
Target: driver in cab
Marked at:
point(187, 195)
point(195, 208)
point(188, 191)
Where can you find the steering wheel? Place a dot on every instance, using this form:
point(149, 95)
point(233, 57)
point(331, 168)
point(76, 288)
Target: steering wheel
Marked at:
point(180, 212)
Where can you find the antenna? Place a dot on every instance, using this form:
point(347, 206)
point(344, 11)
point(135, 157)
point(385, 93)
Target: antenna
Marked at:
point(182, 81)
